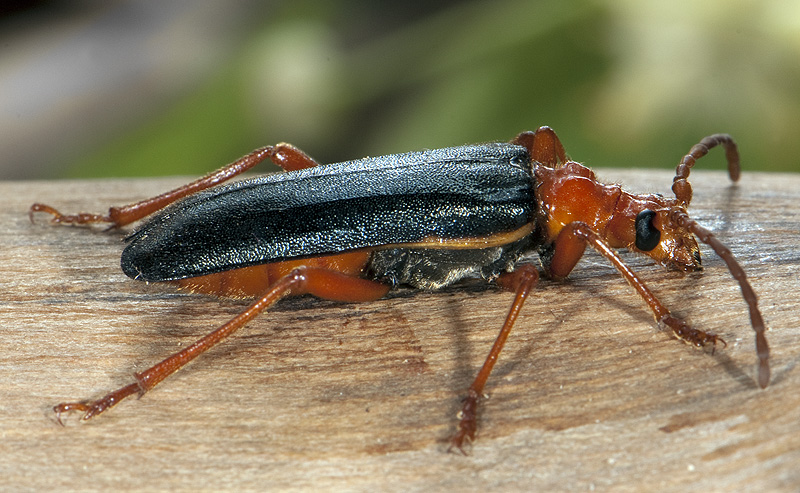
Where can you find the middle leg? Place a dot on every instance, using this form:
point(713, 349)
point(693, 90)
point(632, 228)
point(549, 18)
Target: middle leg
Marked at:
point(521, 281)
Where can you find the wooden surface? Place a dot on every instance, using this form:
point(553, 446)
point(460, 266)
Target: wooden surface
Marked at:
point(588, 394)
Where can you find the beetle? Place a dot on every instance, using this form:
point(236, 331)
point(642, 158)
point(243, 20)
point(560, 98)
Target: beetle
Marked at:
point(351, 231)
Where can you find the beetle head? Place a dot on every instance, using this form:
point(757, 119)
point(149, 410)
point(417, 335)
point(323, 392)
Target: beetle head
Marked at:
point(645, 224)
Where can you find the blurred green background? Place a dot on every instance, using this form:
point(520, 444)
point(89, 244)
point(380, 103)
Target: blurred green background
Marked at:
point(150, 88)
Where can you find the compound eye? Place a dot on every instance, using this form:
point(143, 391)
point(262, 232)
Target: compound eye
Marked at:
point(647, 235)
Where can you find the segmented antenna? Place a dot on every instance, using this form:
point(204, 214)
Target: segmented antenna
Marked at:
point(681, 219)
point(680, 184)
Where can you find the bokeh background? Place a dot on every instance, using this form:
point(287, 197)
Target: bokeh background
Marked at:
point(144, 88)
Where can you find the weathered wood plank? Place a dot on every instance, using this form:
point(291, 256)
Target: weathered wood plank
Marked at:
point(588, 393)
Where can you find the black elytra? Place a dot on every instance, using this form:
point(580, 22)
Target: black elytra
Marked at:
point(460, 192)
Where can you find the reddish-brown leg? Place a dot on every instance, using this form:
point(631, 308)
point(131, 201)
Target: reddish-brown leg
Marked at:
point(569, 247)
point(303, 280)
point(290, 158)
point(521, 281)
point(284, 155)
point(544, 146)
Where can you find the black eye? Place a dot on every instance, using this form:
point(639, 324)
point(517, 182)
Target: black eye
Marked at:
point(647, 236)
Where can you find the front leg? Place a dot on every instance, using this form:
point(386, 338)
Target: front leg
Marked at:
point(568, 249)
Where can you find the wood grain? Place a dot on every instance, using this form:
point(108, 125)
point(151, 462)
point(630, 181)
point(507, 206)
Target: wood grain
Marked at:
point(362, 397)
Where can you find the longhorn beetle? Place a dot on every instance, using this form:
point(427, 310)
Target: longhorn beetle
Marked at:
point(351, 231)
